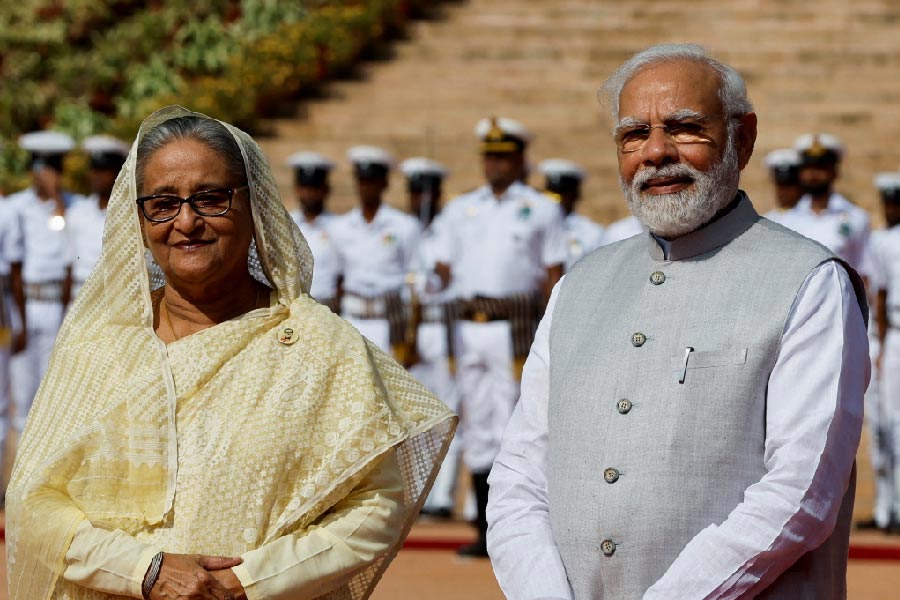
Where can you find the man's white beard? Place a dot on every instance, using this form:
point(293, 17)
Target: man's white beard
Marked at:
point(679, 213)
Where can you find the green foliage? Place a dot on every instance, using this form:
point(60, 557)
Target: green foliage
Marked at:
point(100, 66)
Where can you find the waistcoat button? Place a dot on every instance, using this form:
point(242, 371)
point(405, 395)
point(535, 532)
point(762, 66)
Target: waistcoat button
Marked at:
point(657, 277)
point(611, 475)
point(608, 547)
point(623, 405)
point(638, 339)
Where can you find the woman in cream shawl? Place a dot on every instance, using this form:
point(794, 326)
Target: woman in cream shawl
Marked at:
point(262, 445)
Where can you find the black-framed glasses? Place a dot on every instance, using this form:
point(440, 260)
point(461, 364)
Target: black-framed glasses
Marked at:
point(160, 208)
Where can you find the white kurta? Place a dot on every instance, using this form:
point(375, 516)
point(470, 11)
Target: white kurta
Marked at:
point(806, 451)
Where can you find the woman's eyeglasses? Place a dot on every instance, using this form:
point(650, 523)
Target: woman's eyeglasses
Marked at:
point(160, 208)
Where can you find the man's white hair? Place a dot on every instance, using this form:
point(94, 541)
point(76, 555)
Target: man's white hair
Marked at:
point(732, 90)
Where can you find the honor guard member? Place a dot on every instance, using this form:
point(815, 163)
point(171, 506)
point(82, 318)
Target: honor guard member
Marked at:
point(46, 272)
point(783, 165)
point(12, 310)
point(503, 248)
point(378, 246)
point(431, 303)
point(622, 229)
point(85, 218)
point(884, 418)
point(563, 180)
point(311, 185)
point(821, 213)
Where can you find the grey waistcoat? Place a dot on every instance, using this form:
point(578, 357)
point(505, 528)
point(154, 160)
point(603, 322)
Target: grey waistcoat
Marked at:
point(640, 460)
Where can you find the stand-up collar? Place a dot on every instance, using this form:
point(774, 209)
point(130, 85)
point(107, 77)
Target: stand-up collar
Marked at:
point(709, 237)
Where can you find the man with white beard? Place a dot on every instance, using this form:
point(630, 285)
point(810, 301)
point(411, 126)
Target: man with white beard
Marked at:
point(692, 402)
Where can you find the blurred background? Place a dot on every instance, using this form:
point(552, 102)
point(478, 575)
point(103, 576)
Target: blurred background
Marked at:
point(413, 76)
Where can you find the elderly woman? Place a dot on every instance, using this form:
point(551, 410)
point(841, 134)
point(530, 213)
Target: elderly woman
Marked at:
point(206, 430)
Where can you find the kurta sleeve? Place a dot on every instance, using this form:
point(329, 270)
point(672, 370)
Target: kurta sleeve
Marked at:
point(354, 533)
point(107, 561)
point(520, 538)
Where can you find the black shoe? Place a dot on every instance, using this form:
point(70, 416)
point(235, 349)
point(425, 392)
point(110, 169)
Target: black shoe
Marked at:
point(474, 550)
point(437, 513)
point(867, 524)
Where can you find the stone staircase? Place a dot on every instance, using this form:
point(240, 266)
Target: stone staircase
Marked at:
point(831, 66)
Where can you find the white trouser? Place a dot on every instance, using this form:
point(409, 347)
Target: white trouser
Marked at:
point(27, 368)
point(5, 391)
point(376, 330)
point(433, 371)
point(879, 442)
point(890, 402)
point(488, 389)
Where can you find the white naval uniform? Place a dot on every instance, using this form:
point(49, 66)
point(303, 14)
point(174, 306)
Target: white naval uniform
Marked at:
point(11, 251)
point(842, 227)
point(496, 248)
point(84, 228)
point(376, 257)
point(433, 368)
point(885, 275)
point(583, 236)
point(328, 266)
point(623, 229)
point(46, 260)
point(782, 216)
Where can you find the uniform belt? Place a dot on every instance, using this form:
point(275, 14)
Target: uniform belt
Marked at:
point(484, 310)
point(893, 317)
point(4, 315)
point(434, 313)
point(51, 291)
point(361, 307)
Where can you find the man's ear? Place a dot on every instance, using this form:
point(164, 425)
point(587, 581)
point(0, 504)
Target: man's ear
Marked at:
point(745, 138)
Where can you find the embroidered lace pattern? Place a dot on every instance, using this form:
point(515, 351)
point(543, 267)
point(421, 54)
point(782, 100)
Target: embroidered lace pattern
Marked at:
point(274, 434)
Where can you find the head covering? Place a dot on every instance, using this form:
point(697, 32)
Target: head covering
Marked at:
point(422, 173)
point(106, 152)
point(561, 175)
point(888, 185)
point(783, 164)
point(502, 135)
point(370, 162)
point(310, 168)
point(100, 443)
point(46, 148)
point(819, 149)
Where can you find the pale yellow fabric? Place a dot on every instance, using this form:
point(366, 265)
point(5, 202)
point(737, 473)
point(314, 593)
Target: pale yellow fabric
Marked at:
point(296, 566)
point(297, 426)
point(109, 561)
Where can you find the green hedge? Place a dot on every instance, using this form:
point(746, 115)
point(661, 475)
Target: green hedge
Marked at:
point(100, 66)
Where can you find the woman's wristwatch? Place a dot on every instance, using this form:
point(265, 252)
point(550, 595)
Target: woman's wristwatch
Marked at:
point(151, 575)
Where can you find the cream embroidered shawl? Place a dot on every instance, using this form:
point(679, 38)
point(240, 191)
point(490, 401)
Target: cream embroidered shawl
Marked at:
point(101, 441)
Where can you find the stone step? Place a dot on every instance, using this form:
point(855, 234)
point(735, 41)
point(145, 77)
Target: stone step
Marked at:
point(827, 66)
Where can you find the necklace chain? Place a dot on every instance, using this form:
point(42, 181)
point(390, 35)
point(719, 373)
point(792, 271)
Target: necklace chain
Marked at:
point(168, 316)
